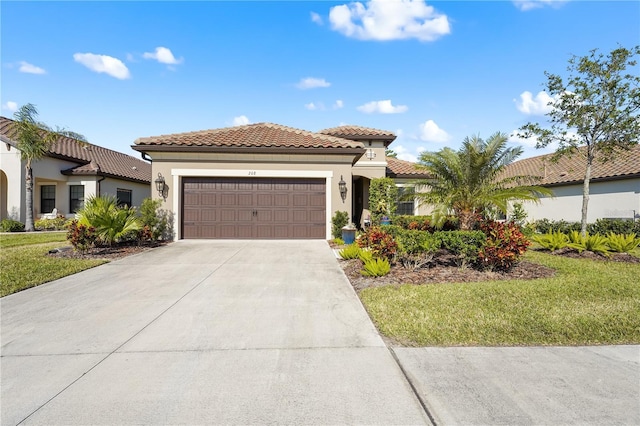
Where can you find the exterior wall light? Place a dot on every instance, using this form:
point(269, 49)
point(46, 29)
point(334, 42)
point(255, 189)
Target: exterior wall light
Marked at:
point(342, 186)
point(160, 186)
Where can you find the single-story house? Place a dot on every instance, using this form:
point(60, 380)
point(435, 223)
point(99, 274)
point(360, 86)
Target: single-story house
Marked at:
point(70, 172)
point(267, 180)
point(614, 186)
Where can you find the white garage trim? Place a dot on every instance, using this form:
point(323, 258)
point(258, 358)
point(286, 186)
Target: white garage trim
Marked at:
point(179, 173)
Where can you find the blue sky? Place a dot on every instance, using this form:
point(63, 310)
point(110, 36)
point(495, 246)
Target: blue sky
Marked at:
point(433, 72)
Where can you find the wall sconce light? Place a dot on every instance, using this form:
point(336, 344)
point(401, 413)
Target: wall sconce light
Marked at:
point(370, 154)
point(160, 186)
point(342, 186)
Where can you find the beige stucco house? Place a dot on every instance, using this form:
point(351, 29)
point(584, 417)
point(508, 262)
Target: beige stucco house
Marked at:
point(614, 187)
point(267, 180)
point(69, 173)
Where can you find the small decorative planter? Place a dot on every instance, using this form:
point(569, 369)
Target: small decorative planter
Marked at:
point(349, 234)
point(385, 221)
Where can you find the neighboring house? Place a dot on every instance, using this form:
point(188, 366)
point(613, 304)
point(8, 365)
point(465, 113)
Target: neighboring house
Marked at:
point(614, 187)
point(266, 180)
point(69, 173)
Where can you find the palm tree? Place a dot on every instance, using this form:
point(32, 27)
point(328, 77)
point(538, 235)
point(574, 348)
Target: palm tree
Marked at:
point(33, 140)
point(112, 223)
point(468, 182)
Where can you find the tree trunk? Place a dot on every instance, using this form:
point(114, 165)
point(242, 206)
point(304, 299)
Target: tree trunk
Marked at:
point(585, 196)
point(466, 219)
point(28, 222)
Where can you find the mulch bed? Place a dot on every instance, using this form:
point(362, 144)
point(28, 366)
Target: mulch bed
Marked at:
point(612, 257)
point(110, 253)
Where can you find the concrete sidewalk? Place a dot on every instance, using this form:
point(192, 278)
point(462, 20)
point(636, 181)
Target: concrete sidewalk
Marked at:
point(201, 332)
point(595, 385)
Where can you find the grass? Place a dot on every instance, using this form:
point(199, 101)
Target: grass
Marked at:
point(24, 262)
point(586, 303)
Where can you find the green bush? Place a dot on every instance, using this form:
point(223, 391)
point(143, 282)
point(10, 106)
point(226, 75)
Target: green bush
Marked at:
point(383, 196)
point(380, 243)
point(465, 245)
point(352, 251)
point(424, 223)
point(546, 226)
point(594, 243)
point(616, 226)
point(620, 243)
point(376, 268)
point(339, 221)
point(10, 225)
point(111, 223)
point(154, 218)
point(365, 256)
point(504, 246)
point(338, 241)
point(58, 224)
point(416, 248)
point(552, 241)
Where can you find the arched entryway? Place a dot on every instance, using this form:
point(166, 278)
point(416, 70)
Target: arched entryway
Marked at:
point(3, 195)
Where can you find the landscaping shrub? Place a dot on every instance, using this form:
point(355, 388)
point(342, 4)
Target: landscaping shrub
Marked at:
point(338, 221)
point(57, 224)
point(111, 223)
point(376, 268)
point(10, 225)
point(383, 195)
point(338, 241)
point(352, 251)
point(504, 246)
point(424, 223)
point(594, 243)
point(552, 241)
point(465, 245)
point(380, 243)
point(546, 226)
point(416, 248)
point(81, 237)
point(615, 226)
point(156, 219)
point(620, 243)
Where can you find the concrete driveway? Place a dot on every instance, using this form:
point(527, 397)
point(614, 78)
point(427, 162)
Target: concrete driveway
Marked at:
point(201, 332)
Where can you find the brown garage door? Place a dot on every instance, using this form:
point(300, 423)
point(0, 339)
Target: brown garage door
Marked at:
point(257, 208)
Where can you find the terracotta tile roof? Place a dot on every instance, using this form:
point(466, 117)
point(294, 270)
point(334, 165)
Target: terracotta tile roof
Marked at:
point(571, 170)
point(93, 160)
point(358, 133)
point(260, 135)
point(404, 169)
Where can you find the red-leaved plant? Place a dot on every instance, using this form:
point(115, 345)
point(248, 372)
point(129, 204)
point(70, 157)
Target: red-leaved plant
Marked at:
point(380, 243)
point(504, 247)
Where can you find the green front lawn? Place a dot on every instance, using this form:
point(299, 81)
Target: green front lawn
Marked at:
point(586, 303)
point(24, 262)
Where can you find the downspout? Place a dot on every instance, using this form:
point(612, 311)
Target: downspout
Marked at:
point(145, 157)
point(98, 185)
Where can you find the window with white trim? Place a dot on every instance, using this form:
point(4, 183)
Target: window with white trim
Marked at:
point(405, 207)
point(47, 198)
point(76, 198)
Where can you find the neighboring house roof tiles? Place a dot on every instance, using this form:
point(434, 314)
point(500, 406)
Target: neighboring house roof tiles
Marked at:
point(359, 133)
point(570, 170)
point(93, 159)
point(404, 169)
point(260, 135)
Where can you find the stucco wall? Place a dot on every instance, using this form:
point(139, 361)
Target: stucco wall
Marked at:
point(12, 190)
point(614, 199)
point(139, 191)
point(174, 166)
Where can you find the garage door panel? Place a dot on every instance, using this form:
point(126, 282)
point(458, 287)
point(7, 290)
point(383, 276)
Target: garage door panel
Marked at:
point(253, 208)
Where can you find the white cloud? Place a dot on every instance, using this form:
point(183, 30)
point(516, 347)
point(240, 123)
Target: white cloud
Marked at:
point(316, 18)
point(404, 154)
point(525, 5)
point(338, 104)
point(389, 20)
point(28, 68)
point(241, 120)
point(163, 55)
point(311, 106)
point(382, 107)
point(430, 132)
point(103, 64)
point(528, 142)
point(312, 83)
point(10, 106)
point(541, 104)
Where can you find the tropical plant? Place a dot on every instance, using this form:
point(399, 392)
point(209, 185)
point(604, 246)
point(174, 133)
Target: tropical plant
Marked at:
point(594, 112)
point(10, 225)
point(620, 243)
point(468, 182)
point(464, 245)
point(594, 243)
point(380, 243)
point(504, 247)
point(154, 218)
point(81, 237)
point(352, 251)
point(376, 268)
point(111, 223)
point(552, 241)
point(383, 195)
point(33, 140)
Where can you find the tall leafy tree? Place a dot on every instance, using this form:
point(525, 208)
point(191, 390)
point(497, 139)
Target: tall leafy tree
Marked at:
point(594, 113)
point(33, 140)
point(470, 181)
